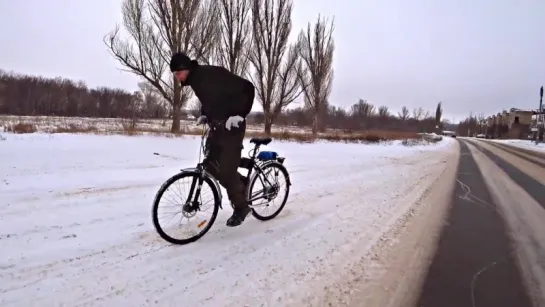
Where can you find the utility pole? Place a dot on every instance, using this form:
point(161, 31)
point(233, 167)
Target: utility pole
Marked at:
point(540, 116)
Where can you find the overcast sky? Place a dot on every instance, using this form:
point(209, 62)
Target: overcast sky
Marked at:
point(474, 55)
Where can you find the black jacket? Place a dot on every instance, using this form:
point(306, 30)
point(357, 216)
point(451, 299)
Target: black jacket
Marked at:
point(222, 94)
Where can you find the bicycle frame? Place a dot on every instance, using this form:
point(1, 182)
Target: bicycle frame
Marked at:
point(257, 195)
point(258, 166)
point(251, 163)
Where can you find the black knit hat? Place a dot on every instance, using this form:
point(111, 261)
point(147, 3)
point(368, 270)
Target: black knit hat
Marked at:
point(180, 61)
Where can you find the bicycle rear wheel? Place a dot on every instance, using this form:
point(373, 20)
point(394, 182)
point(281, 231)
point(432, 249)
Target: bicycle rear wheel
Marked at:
point(269, 187)
point(184, 206)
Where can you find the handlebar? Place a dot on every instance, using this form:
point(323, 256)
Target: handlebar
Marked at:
point(213, 123)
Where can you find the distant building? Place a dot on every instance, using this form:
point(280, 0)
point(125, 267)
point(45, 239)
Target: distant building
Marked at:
point(521, 117)
point(519, 123)
point(513, 124)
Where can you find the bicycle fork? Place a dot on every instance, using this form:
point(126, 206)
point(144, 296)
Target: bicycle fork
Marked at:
point(193, 205)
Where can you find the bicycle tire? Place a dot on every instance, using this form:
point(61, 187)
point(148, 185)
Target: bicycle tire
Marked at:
point(157, 199)
point(284, 171)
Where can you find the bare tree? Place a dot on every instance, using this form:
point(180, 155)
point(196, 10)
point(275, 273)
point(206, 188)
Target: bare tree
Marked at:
point(154, 104)
point(336, 117)
point(275, 75)
point(363, 109)
point(418, 113)
point(235, 36)
point(404, 114)
point(362, 113)
point(481, 118)
point(157, 29)
point(315, 71)
point(383, 112)
point(194, 108)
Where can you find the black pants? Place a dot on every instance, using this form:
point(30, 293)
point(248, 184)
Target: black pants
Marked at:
point(223, 160)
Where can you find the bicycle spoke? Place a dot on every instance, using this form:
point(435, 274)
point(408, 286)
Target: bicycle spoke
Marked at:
point(178, 223)
point(273, 189)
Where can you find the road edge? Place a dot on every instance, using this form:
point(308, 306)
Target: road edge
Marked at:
point(406, 261)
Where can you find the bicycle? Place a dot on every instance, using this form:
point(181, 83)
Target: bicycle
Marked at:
point(259, 165)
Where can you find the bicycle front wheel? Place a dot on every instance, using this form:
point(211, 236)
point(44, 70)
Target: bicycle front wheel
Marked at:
point(269, 191)
point(190, 217)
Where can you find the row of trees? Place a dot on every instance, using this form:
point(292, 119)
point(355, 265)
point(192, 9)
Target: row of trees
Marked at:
point(31, 95)
point(364, 116)
point(473, 124)
point(249, 38)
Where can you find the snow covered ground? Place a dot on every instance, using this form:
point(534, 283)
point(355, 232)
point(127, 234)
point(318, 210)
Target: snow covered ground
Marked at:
point(51, 123)
point(75, 223)
point(528, 144)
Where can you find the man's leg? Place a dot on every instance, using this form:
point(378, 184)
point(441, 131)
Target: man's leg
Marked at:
point(211, 163)
point(230, 178)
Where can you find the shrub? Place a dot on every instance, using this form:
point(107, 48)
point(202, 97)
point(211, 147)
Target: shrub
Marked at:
point(21, 128)
point(73, 128)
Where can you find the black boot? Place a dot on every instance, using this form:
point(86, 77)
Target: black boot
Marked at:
point(239, 215)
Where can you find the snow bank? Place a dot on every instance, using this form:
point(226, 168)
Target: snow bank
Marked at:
point(431, 136)
point(527, 144)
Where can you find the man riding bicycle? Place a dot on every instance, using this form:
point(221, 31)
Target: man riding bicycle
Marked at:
point(226, 98)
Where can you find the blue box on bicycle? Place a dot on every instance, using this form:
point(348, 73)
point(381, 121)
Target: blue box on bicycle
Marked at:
point(267, 155)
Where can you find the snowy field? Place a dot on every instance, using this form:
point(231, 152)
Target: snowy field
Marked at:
point(51, 123)
point(75, 223)
point(528, 144)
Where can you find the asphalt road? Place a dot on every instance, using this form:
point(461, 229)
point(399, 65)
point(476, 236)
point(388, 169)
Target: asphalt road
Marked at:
point(491, 251)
